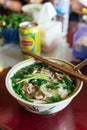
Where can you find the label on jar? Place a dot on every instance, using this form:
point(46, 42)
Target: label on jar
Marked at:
point(30, 39)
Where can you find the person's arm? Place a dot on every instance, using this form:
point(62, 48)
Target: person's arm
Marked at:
point(84, 2)
point(11, 5)
point(77, 5)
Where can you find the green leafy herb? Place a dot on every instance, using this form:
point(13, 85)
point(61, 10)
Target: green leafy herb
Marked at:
point(14, 19)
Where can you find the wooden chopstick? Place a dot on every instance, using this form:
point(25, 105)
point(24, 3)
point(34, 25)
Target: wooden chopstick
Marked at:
point(55, 65)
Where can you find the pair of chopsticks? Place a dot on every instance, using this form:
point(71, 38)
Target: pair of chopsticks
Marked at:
point(56, 66)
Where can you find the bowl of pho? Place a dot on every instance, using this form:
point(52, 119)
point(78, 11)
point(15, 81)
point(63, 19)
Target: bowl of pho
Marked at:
point(40, 88)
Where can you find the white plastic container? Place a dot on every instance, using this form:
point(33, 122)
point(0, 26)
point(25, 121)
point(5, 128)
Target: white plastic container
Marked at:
point(51, 35)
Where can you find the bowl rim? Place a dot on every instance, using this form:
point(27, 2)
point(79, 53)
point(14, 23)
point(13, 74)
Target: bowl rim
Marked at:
point(25, 8)
point(31, 61)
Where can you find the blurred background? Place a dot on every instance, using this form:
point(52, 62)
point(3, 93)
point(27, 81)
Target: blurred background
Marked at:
point(59, 21)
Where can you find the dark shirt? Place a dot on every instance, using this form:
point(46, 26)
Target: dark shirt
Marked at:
point(74, 17)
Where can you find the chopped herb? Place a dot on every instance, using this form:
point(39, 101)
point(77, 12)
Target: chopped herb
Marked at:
point(38, 82)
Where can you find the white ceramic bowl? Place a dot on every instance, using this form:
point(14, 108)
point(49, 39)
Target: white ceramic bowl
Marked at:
point(41, 108)
point(32, 9)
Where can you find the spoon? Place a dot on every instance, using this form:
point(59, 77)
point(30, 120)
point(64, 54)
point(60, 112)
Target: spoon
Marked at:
point(80, 65)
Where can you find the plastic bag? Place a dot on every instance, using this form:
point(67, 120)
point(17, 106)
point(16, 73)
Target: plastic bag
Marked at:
point(80, 43)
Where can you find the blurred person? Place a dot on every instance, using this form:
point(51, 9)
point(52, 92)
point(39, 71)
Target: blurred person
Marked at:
point(75, 18)
point(15, 5)
point(77, 5)
point(11, 5)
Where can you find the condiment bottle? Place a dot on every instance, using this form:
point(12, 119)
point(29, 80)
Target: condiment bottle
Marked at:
point(63, 8)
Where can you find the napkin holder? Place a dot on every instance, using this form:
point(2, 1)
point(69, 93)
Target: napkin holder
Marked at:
point(50, 35)
point(50, 30)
